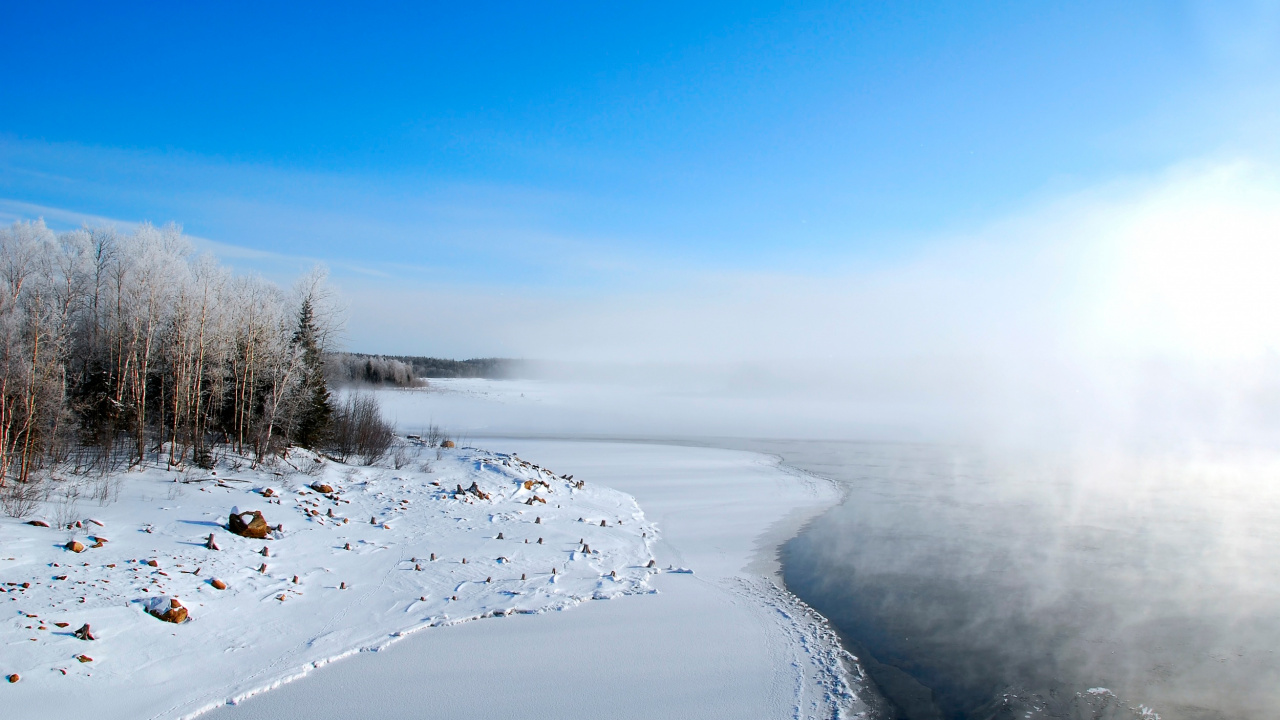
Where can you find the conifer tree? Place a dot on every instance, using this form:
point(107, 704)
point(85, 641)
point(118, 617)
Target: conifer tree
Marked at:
point(314, 409)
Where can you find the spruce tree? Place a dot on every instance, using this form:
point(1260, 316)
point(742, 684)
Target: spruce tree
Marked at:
point(315, 411)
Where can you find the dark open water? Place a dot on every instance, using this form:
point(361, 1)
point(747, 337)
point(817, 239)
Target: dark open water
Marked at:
point(976, 586)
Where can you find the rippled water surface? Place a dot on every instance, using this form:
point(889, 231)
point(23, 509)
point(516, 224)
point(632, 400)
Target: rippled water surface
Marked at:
point(1106, 585)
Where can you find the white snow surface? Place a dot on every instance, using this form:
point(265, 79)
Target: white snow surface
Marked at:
point(705, 634)
point(722, 642)
point(265, 628)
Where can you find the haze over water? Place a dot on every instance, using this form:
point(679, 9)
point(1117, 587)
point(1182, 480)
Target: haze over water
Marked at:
point(991, 580)
point(962, 576)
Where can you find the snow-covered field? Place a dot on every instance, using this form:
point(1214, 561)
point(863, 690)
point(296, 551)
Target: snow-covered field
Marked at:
point(719, 641)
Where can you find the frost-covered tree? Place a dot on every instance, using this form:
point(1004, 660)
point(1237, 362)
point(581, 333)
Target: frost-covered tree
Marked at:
point(129, 346)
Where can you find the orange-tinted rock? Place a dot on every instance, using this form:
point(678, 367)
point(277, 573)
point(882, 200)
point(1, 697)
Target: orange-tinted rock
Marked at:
point(75, 546)
point(322, 488)
point(254, 527)
point(14, 677)
point(218, 584)
point(447, 444)
point(37, 523)
point(176, 613)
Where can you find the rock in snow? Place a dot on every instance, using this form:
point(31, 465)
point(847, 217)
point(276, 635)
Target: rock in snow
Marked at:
point(248, 524)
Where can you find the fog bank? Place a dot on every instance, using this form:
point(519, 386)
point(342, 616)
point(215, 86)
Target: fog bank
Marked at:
point(1142, 309)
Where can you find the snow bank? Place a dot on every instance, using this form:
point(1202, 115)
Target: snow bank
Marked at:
point(346, 571)
point(721, 643)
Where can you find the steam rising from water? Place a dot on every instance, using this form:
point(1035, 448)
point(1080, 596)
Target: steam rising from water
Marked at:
point(971, 575)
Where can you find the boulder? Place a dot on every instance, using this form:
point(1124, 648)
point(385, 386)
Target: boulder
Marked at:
point(175, 613)
point(75, 546)
point(12, 678)
point(218, 584)
point(37, 523)
point(322, 488)
point(249, 524)
point(447, 444)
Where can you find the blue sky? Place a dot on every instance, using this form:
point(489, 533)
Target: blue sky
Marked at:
point(582, 148)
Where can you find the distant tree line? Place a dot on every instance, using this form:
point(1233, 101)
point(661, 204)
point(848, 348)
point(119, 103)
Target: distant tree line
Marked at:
point(354, 369)
point(406, 370)
point(119, 346)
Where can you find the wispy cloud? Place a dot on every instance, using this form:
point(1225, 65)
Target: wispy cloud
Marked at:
point(373, 223)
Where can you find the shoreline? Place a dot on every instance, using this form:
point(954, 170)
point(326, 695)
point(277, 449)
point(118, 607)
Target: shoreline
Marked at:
point(741, 626)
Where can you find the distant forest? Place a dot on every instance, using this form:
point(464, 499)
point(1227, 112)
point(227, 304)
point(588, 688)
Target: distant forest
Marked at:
point(405, 370)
